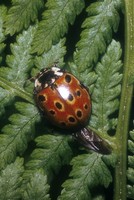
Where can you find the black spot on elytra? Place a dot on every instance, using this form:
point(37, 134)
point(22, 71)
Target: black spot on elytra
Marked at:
point(52, 112)
point(71, 119)
point(86, 106)
point(78, 93)
point(68, 78)
point(58, 105)
point(70, 97)
point(79, 113)
point(41, 98)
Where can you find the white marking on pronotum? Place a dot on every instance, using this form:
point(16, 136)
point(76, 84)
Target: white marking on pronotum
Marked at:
point(57, 71)
point(37, 83)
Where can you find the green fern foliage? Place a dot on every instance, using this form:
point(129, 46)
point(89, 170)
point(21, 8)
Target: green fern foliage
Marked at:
point(50, 154)
point(88, 171)
point(55, 54)
point(2, 15)
point(38, 160)
point(3, 10)
point(102, 19)
point(19, 58)
point(17, 133)
point(130, 172)
point(14, 76)
point(87, 77)
point(55, 22)
point(5, 98)
point(106, 91)
point(37, 187)
point(20, 14)
point(11, 179)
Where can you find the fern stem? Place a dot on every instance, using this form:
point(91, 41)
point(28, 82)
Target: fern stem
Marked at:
point(120, 192)
point(15, 89)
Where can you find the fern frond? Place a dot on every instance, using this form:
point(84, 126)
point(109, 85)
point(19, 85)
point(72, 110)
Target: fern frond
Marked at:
point(37, 187)
point(13, 77)
point(103, 19)
point(55, 54)
point(21, 13)
point(11, 179)
point(17, 134)
point(51, 153)
point(99, 197)
point(3, 11)
point(107, 89)
point(130, 172)
point(5, 98)
point(56, 18)
point(88, 171)
point(20, 61)
point(86, 77)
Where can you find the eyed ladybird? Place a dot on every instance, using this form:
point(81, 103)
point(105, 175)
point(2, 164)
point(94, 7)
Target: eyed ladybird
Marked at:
point(66, 103)
point(64, 100)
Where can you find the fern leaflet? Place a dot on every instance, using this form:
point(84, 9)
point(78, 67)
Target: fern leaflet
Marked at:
point(11, 179)
point(37, 187)
point(107, 89)
point(103, 18)
point(88, 171)
point(2, 36)
point(86, 77)
point(56, 53)
point(21, 14)
point(130, 172)
point(17, 134)
point(49, 154)
point(5, 98)
point(55, 23)
point(13, 77)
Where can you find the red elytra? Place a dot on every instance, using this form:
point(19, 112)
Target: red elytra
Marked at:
point(66, 103)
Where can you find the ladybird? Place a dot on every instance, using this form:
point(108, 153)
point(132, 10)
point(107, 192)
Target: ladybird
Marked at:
point(66, 103)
